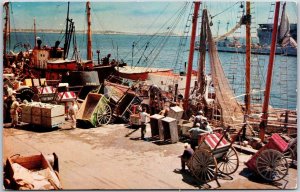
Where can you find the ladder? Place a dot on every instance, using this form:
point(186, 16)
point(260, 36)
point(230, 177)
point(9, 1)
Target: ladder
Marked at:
point(256, 76)
point(183, 42)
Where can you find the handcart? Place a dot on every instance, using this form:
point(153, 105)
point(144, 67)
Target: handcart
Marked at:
point(214, 154)
point(35, 172)
point(270, 162)
point(95, 110)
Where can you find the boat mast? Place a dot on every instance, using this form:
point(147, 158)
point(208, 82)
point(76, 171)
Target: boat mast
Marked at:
point(6, 27)
point(264, 119)
point(202, 49)
point(89, 32)
point(66, 34)
point(34, 30)
point(248, 57)
point(191, 55)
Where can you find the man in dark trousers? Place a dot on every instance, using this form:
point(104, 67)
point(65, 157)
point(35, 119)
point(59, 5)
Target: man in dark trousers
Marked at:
point(186, 156)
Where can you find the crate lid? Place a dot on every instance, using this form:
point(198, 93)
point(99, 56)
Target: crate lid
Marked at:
point(168, 119)
point(156, 116)
point(176, 109)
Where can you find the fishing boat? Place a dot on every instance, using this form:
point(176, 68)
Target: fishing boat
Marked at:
point(140, 73)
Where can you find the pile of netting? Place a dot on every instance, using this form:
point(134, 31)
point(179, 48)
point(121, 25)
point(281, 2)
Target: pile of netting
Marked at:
point(232, 112)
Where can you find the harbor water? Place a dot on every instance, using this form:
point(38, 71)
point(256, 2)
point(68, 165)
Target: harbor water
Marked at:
point(172, 52)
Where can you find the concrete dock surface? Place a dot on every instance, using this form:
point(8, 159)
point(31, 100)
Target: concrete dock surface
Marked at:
point(114, 157)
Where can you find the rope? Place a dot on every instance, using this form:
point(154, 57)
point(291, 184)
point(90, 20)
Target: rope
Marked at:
point(224, 10)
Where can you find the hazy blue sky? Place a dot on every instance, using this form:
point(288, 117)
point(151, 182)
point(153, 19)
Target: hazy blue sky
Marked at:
point(131, 16)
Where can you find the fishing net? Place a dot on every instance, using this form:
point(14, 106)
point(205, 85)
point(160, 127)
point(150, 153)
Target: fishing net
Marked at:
point(224, 36)
point(231, 111)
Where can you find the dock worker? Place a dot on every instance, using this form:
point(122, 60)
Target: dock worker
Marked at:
point(143, 120)
point(14, 111)
point(194, 132)
point(199, 118)
point(186, 155)
point(207, 127)
point(72, 113)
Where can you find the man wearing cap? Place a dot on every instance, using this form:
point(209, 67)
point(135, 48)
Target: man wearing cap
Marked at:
point(199, 118)
point(186, 155)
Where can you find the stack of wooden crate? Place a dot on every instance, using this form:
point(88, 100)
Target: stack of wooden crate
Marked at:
point(44, 115)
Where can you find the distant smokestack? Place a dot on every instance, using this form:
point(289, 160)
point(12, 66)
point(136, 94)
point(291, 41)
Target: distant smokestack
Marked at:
point(39, 42)
point(57, 44)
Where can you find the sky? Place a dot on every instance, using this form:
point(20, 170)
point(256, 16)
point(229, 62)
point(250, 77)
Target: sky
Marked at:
point(134, 16)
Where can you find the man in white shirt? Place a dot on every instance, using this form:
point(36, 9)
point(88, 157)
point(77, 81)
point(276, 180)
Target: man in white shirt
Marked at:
point(143, 120)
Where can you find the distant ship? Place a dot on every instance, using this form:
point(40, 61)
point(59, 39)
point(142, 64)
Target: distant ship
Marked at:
point(264, 33)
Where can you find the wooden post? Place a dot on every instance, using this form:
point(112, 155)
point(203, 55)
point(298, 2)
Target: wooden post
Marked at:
point(6, 27)
point(248, 58)
point(264, 119)
point(66, 33)
point(34, 30)
point(202, 49)
point(89, 32)
point(191, 55)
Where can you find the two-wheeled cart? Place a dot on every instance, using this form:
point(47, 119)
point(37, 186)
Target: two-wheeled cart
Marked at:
point(214, 154)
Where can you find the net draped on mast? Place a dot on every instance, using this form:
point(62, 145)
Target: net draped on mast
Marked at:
point(231, 111)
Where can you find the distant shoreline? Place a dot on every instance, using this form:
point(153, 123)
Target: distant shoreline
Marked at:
point(83, 32)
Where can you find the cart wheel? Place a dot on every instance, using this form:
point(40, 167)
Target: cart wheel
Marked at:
point(289, 154)
point(104, 115)
point(229, 162)
point(272, 165)
point(203, 165)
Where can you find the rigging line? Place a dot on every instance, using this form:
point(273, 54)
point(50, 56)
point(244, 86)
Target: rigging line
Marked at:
point(156, 36)
point(163, 26)
point(224, 10)
point(98, 21)
point(154, 21)
point(165, 40)
point(183, 40)
point(143, 53)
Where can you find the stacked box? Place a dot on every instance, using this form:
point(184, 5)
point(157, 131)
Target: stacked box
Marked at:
point(170, 129)
point(52, 115)
point(45, 115)
point(53, 110)
point(51, 121)
point(156, 126)
point(175, 112)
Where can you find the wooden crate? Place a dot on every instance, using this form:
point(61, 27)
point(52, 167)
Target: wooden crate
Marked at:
point(36, 82)
point(175, 112)
point(53, 110)
point(27, 82)
point(156, 126)
point(36, 119)
point(170, 129)
point(26, 109)
point(36, 110)
point(26, 118)
point(52, 121)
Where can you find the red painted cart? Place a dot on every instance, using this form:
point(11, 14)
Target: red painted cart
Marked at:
point(214, 154)
point(270, 162)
